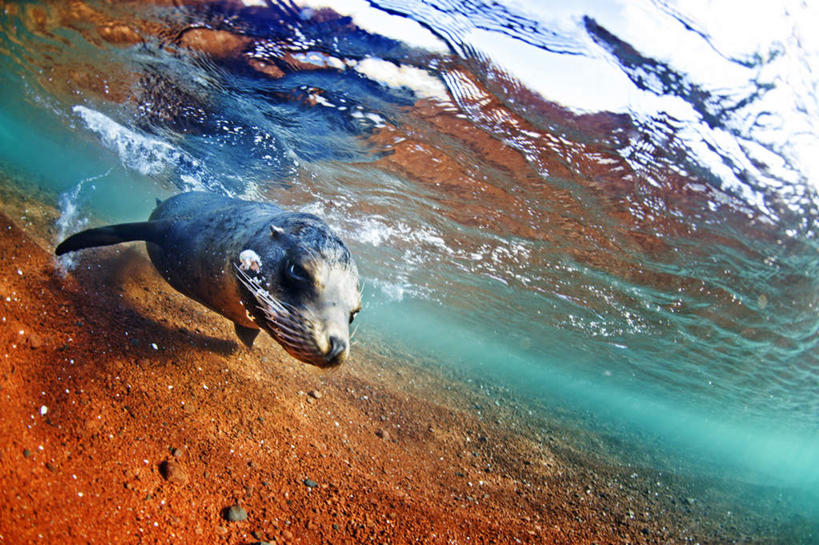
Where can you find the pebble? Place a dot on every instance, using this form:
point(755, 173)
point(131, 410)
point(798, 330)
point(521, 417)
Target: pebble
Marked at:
point(34, 341)
point(315, 394)
point(383, 434)
point(235, 513)
point(173, 472)
point(310, 483)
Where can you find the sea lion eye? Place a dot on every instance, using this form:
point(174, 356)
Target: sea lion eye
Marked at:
point(298, 273)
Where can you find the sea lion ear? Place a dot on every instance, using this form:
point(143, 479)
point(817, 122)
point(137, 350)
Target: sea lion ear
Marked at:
point(276, 231)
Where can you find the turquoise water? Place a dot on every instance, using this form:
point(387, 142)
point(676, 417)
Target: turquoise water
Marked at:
point(608, 209)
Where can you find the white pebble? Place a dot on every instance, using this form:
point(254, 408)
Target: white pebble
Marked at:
point(43, 410)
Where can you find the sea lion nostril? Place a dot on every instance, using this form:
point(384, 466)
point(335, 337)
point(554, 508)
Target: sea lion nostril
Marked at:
point(337, 346)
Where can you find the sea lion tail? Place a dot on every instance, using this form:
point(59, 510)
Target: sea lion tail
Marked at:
point(149, 231)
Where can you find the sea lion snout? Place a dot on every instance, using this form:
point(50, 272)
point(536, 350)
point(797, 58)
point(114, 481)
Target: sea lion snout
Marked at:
point(305, 290)
point(334, 340)
point(338, 349)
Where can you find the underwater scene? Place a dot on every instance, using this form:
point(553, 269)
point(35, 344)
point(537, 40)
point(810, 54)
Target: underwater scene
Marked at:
point(587, 244)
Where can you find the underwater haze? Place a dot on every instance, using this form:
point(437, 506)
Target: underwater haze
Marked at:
point(608, 209)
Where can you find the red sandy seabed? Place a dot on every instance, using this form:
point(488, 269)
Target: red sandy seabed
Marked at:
point(131, 415)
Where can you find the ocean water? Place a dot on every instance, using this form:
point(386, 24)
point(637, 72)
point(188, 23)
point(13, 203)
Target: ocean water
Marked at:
point(609, 208)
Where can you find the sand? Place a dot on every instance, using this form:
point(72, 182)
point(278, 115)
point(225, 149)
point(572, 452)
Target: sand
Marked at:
point(131, 414)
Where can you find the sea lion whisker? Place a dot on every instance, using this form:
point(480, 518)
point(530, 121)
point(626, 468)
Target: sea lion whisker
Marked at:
point(296, 336)
point(288, 324)
point(288, 331)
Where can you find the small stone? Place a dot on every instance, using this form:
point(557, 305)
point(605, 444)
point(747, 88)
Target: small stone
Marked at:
point(176, 453)
point(34, 341)
point(173, 472)
point(310, 483)
point(27, 453)
point(235, 513)
point(315, 394)
point(383, 434)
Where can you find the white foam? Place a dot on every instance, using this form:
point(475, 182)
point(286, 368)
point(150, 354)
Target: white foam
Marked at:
point(70, 220)
point(420, 81)
point(379, 22)
point(145, 154)
point(392, 290)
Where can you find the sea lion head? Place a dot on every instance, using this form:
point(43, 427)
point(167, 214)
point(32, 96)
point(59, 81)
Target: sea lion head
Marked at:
point(303, 289)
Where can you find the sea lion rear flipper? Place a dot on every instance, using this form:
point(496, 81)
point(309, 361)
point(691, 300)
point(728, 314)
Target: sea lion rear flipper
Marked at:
point(246, 334)
point(114, 234)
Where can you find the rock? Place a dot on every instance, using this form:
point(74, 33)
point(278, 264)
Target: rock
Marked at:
point(119, 34)
point(310, 483)
point(383, 434)
point(173, 472)
point(27, 453)
point(315, 394)
point(216, 43)
point(235, 513)
point(35, 341)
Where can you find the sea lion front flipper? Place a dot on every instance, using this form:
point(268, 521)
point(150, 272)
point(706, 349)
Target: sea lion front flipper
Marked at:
point(150, 231)
point(246, 334)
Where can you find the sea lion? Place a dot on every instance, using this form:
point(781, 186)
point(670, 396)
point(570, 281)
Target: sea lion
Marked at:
point(254, 263)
